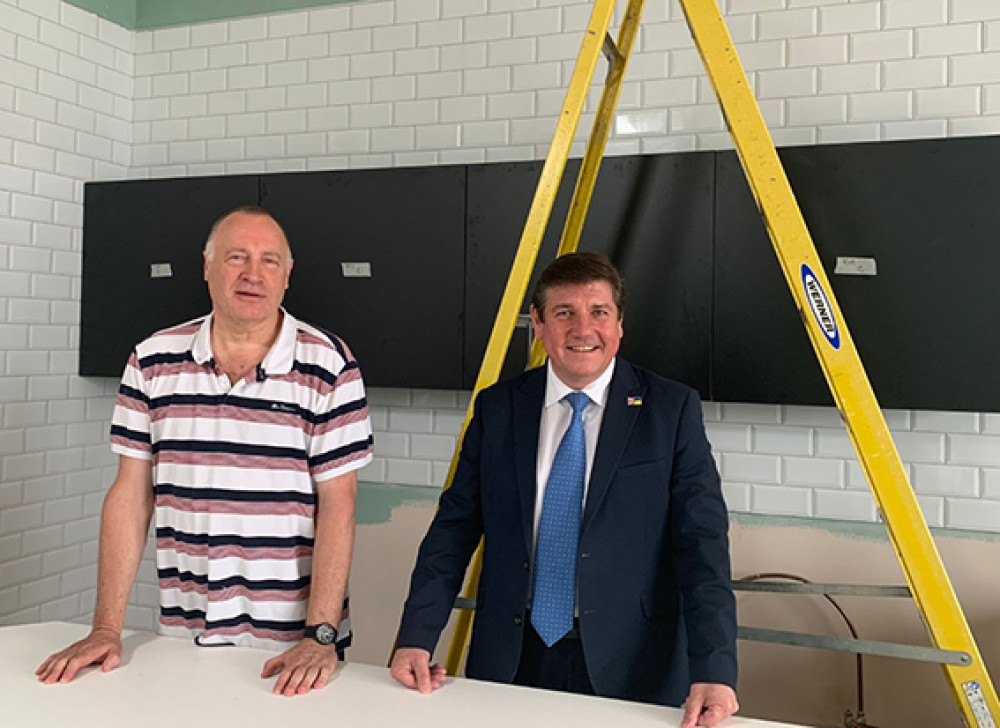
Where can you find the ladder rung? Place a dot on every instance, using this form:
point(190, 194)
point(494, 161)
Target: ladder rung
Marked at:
point(851, 590)
point(860, 647)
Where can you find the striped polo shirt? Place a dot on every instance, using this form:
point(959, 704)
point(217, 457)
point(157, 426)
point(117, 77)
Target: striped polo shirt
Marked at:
point(235, 468)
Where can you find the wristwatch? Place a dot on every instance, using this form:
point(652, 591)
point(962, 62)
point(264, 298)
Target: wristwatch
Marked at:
point(324, 633)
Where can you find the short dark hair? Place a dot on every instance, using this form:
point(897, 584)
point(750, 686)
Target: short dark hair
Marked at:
point(577, 268)
point(255, 210)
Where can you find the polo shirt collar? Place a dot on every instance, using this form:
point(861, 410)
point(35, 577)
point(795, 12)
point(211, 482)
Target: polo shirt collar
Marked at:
point(279, 358)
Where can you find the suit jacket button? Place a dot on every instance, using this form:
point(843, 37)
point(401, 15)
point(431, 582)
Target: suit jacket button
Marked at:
point(525, 565)
point(517, 620)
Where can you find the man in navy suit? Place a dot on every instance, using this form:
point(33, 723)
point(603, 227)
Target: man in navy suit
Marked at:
point(650, 615)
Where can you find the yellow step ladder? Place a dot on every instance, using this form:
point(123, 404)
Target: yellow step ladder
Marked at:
point(925, 574)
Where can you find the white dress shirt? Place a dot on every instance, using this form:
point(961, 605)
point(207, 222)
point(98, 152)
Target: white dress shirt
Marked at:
point(556, 415)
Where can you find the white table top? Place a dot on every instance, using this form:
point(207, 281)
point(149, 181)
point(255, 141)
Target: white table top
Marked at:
point(167, 682)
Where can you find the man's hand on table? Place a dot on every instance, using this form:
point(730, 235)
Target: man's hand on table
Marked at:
point(708, 704)
point(307, 666)
point(102, 646)
point(411, 668)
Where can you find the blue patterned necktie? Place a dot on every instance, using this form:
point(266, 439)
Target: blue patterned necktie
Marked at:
point(559, 531)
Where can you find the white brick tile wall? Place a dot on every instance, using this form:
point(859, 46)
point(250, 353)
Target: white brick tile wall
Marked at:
point(971, 450)
point(964, 422)
point(844, 505)
point(978, 126)
point(752, 468)
point(435, 85)
point(42, 540)
point(432, 447)
point(850, 17)
point(750, 413)
point(448, 423)
point(737, 496)
point(882, 46)
point(487, 27)
point(413, 419)
point(350, 92)
point(915, 74)
point(781, 500)
point(991, 483)
point(226, 56)
point(375, 472)
point(975, 68)
point(288, 24)
point(948, 40)
point(810, 471)
point(963, 10)
point(787, 23)
point(972, 513)
point(883, 106)
point(322, 20)
point(779, 440)
point(937, 102)
point(433, 398)
point(813, 110)
point(821, 51)
point(439, 472)
point(946, 480)
point(992, 99)
point(905, 13)
point(372, 14)
point(392, 444)
point(409, 472)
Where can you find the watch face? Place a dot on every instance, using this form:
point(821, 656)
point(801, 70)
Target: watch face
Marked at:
point(326, 634)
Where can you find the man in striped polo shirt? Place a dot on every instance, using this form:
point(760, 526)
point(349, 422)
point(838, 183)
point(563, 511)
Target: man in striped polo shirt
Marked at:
point(244, 431)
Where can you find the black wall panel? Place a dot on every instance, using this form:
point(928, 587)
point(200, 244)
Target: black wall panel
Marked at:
point(927, 212)
point(652, 215)
point(127, 226)
point(404, 323)
point(707, 303)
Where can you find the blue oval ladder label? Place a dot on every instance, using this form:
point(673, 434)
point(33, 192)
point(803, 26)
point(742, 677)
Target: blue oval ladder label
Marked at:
point(820, 305)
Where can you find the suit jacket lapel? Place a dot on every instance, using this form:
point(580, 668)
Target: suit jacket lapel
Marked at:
point(616, 428)
point(528, 400)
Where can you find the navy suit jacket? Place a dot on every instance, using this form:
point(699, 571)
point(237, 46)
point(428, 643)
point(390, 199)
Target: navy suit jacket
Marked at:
point(653, 577)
